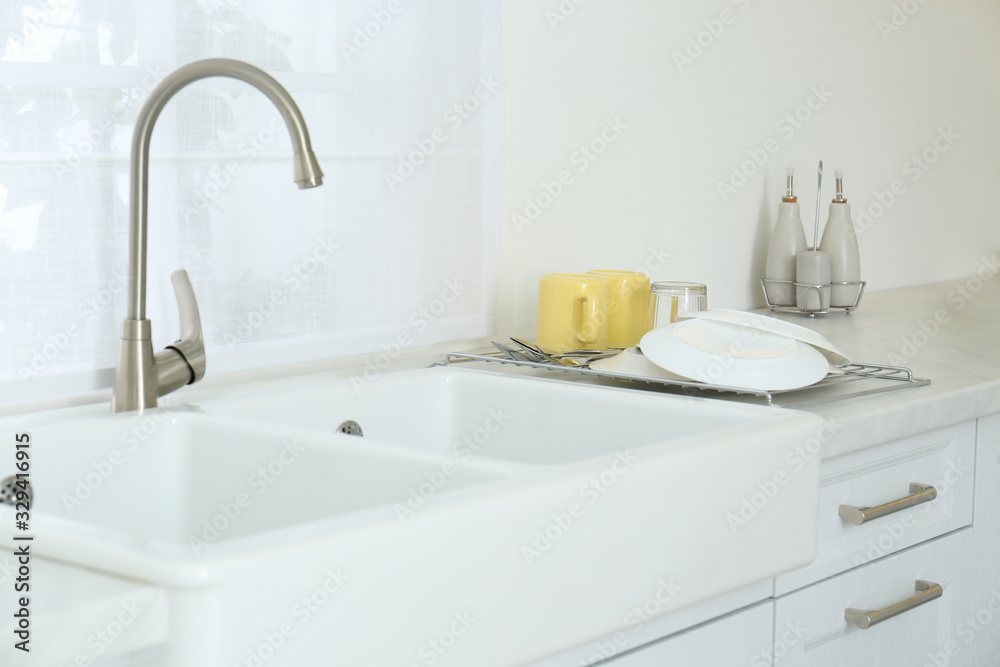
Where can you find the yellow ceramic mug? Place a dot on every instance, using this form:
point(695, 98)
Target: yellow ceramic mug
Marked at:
point(630, 316)
point(573, 312)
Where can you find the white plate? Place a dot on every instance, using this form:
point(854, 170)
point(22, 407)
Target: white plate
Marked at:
point(774, 325)
point(735, 356)
point(632, 362)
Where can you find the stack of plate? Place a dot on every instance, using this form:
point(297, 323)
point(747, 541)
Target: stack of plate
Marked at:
point(731, 348)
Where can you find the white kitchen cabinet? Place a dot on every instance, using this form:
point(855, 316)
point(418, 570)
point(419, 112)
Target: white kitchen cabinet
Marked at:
point(952, 540)
point(742, 638)
point(978, 632)
point(651, 630)
point(917, 636)
point(943, 458)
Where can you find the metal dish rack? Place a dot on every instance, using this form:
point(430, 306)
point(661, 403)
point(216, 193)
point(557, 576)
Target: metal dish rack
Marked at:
point(887, 378)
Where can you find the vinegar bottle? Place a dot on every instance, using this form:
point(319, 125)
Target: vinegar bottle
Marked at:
point(787, 240)
point(841, 242)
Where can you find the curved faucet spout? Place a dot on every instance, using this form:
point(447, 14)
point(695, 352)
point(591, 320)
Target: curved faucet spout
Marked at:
point(141, 376)
point(307, 171)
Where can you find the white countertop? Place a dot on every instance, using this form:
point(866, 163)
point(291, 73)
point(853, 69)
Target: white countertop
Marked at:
point(947, 332)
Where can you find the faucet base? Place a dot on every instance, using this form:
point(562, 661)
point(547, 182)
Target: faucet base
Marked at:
point(135, 377)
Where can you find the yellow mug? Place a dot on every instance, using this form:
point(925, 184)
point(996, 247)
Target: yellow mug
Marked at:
point(573, 312)
point(629, 307)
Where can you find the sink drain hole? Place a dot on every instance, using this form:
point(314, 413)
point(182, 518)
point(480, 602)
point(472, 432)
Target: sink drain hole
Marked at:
point(350, 427)
point(9, 490)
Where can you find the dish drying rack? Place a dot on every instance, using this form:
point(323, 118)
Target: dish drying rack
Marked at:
point(888, 378)
point(767, 283)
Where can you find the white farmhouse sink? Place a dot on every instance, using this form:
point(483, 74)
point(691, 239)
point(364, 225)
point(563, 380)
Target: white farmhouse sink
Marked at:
point(476, 506)
point(194, 475)
point(464, 413)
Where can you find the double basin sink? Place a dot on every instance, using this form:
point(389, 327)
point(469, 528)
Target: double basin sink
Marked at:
point(447, 516)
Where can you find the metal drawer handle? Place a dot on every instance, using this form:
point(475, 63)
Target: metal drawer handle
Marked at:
point(927, 591)
point(919, 493)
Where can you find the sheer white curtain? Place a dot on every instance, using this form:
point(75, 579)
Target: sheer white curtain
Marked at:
point(399, 247)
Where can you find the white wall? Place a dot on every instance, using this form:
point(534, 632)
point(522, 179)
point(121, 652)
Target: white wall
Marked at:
point(656, 186)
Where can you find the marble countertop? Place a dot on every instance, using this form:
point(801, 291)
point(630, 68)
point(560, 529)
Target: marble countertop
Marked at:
point(948, 332)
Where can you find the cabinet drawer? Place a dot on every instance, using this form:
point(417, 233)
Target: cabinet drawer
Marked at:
point(811, 629)
point(743, 638)
point(882, 476)
point(651, 631)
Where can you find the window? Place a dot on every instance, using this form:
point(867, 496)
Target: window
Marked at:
point(404, 102)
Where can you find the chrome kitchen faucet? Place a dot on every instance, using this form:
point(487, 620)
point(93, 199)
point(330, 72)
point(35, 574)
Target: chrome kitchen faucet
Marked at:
point(141, 376)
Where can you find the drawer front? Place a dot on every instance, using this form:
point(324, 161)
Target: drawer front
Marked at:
point(811, 629)
point(882, 477)
point(644, 630)
point(743, 638)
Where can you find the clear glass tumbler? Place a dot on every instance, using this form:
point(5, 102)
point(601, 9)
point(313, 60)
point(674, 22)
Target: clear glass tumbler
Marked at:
point(672, 300)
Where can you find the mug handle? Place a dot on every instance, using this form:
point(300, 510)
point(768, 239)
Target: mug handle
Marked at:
point(589, 326)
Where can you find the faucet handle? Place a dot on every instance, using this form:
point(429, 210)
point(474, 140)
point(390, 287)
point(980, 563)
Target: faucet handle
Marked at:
point(183, 361)
point(187, 308)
